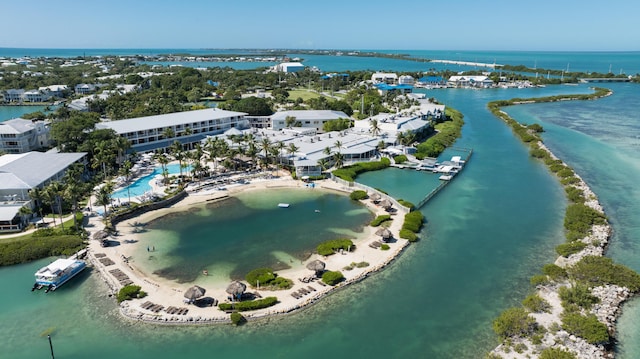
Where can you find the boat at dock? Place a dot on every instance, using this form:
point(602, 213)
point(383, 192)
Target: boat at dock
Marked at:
point(57, 273)
point(283, 205)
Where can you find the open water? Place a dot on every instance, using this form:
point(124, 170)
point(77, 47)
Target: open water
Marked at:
point(492, 228)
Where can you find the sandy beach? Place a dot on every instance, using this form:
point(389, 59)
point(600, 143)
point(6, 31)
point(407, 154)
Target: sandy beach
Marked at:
point(117, 266)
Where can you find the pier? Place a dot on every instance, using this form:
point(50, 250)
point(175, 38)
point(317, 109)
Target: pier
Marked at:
point(443, 183)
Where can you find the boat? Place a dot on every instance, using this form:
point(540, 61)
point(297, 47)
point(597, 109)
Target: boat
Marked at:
point(283, 205)
point(57, 273)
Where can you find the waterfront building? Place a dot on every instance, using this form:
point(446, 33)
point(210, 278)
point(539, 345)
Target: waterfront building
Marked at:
point(13, 95)
point(406, 80)
point(148, 133)
point(470, 81)
point(384, 77)
point(415, 120)
point(402, 89)
point(85, 89)
point(305, 118)
point(288, 67)
point(54, 90)
point(20, 173)
point(35, 96)
point(20, 136)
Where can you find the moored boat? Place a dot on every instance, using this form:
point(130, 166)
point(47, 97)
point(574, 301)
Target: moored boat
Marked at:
point(283, 205)
point(57, 273)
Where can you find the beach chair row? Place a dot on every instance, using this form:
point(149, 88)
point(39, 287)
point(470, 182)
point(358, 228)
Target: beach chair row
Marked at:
point(176, 310)
point(106, 261)
point(152, 307)
point(302, 292)
point(121, 277)
point(375, 244)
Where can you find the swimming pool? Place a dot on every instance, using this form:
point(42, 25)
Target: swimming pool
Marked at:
point(141, 185)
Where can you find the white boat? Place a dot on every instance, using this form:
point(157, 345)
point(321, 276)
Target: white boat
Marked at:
point(57, 273)
point(283, 205)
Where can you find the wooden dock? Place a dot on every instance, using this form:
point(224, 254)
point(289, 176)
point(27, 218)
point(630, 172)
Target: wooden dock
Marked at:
point(443, 184)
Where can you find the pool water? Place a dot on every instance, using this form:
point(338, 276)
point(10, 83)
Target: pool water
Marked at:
point(141, 185)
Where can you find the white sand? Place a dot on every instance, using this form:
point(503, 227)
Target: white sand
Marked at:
point(169, 293)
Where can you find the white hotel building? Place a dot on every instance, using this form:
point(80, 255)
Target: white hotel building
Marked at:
point(146, 134)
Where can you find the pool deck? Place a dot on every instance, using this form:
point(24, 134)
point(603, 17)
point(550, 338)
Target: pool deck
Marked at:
point(165, 300)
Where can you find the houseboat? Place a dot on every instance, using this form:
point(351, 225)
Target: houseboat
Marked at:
point(57, 273)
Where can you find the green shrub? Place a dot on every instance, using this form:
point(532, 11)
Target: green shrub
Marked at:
point(580, 217)
point(587, 327)
point(536, 304)
point(400, 159)
point(538, 153)
point(237, 318)
point(569, 180)
point(567, 249)
point(565, 173)
point(43, 232)
point(514, 322)
point(407, 204)
point(554, 272)
point(260, 275)
point(536, 127)
point(249, 305)
point(408, 235)
point(540, 279)
point(596, 271)
point(578, 294)
point(349, 173)
point(413, 221)
point(32, 248)
point(129, 292)
point(358, 195)
point(331, 246)
point(379, 219)
point(362, 264)
point(556, 353)
point(282, 283)
point(574, 194)
point(520, 348)
point(332, 277)
point(384, 247)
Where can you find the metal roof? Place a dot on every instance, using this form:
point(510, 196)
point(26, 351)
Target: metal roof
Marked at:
point(33, 168)
point(167, 120)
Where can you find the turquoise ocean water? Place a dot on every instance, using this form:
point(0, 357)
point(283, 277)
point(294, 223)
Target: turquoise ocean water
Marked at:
point(10, 112)
point(492, 228)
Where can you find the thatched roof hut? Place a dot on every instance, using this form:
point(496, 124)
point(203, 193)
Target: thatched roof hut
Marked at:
point(236, 289)
point(384, 232)
point(194, 293)
point(375, 197)
point(316, 265)
point(385, 203)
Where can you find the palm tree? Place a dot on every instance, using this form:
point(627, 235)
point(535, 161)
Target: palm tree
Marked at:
point(178, 153)
point(37, 196)
point(400, 138)
point(292, 149)
point(24, 211)
point(409, 137)
point(74, 190)
point(338, 159)
point(289, 121)
point(327, 151)
point(103, 196)
point(50, 198)
point(168, 134)
point(121, 145)
point(375, 128)
point(125, 171)
point(280, 146)
point(338, 145)
point(163, 161)
point(196, 160)
point(57, 189)
point(324, 164)
point(187, 132)
point(265, 145)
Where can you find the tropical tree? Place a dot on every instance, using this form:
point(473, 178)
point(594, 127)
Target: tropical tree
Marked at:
point(168, 134)
point(292, 149)
point(103, 196)
point(74, 190)
point(265, 145)
point(338, 159)
point(178, 153)
point(162, 159)
point(37, 196)
point(125, 171)
point(57, 189)
point(374, 128)
point(324, 164)
point(280, 146)
point(289, 121)
point(49, 197)
point(24, 212)
point(338, 145)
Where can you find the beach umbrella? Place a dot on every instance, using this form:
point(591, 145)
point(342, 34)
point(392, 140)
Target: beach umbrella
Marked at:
point(385, 233)
point(194, 293)
point(375, 196)
point(385, 203)
point(236, 289)
point(316, 265)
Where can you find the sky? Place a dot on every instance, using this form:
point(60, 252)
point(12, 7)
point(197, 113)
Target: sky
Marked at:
point(512, 25)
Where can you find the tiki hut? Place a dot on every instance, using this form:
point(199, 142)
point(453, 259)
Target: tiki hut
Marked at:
point(385, 233)
point(194, 293)
point(375, 197)
point(100, 235)
point(385, 203)
point(236, 289)
point(317, 266)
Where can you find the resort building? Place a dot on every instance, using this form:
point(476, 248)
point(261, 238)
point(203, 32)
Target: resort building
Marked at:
point(414, 120)
point(20, 136)
point(305, 118)
point(35, 96)
point(149, 133)
point(85, 89)
point(470, 81)
point(384, 77)
point(406, 80)
point(13, 95)
point(54, 90)
point(402, 89)
point(20, 173)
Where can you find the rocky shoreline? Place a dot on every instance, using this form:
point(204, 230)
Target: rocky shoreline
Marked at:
point(607, 310)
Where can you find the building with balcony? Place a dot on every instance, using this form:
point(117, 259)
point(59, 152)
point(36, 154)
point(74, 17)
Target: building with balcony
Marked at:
point(20, 136)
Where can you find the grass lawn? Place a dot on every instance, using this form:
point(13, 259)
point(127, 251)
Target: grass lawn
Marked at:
point(303, 94)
